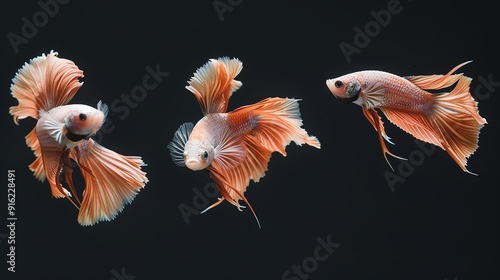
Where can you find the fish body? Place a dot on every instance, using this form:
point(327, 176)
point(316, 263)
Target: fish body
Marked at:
point(207, 134)
point(235, 147)
point(449, 120)
point(63, 133)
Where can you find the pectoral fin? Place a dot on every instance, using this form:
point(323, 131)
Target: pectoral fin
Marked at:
point(176, 146)
point(50, 162)
point(233, 182)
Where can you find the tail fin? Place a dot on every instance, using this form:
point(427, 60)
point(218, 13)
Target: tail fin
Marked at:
point(279, 123)
point(46, 82)
point(457, 118)
point(111, 181)
point(453, 125)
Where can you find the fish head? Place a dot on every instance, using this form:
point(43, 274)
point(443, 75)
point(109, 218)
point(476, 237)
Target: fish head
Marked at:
point(345, 88)
point(84, 121)
point(198, 154)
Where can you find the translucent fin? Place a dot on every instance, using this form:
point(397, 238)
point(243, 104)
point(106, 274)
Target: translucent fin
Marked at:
point(214, 83)
point(434, 82)
point(279, 123)
point(228, 192)
point(453, 125)
point(46, 82)
point(111, 181)
point(376, 121)
point(49, 133)
point(176, 146)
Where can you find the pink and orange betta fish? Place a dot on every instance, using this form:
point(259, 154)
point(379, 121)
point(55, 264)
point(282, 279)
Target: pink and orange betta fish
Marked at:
point(62, 133)
point(235, 147)
point(449, 120)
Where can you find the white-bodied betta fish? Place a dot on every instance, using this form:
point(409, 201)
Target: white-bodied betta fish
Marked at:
point(449, 120)
point(235, 147)
point(62, 133)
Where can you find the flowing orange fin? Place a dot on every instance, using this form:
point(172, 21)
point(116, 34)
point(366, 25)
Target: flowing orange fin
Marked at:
point(457, 119)
point(453, 125)
point(252, 166)
point(237, 161)
point(213, 205)
point(376, 121)
point(278, 123)
point(51, 153)
point(214, 83)
point(233, 183)
point(437, 81)
point(37, 165)
point(46, 82)
point(111, 181)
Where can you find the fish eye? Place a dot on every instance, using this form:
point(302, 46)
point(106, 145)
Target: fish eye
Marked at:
point(338, 84)
point(205, 155)
point(82, 117)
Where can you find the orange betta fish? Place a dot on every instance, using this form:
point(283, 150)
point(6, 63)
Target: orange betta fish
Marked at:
point(235, 146)
point(62, 133)
point(449, 120)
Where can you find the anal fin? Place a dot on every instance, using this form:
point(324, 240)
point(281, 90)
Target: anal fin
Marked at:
point(373, 117)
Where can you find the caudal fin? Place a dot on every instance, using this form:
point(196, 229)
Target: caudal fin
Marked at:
point(111, 181)
point(453, 124)
point(44, 83)
point(279, 123)
point(458, 121)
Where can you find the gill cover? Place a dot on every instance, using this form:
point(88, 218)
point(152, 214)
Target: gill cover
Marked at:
point(352, 93)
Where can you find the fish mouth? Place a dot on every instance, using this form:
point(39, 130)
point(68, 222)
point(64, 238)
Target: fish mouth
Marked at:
point(193, 164)
point(77, 137)
point(351, 94)
point(347, 100)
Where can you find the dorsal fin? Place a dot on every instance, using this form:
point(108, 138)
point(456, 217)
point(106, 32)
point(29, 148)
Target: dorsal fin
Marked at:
point(46, 82)
point(214, 83)
point(437, 81)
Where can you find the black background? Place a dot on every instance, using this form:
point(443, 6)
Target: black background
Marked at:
point(440, 223)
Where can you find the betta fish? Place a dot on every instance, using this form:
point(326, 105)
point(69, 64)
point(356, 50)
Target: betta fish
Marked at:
point(449, 120)
point(234, 147)
point(62, 136)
